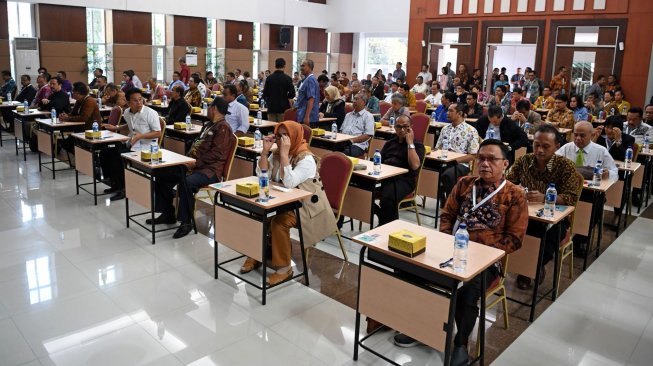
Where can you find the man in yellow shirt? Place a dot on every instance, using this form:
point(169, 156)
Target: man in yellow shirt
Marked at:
point(411, 102)
point(619, 104)
point(561, 116)
point(544, 101)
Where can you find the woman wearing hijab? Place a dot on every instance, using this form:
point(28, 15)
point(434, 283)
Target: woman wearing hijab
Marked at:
point(333, 106)
point(294, 166)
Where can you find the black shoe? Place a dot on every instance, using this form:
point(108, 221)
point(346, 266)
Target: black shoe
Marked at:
point(340, 222)
point(162, 219)
point(542, 274)
point(523, 282)
point(111, 190)
point(459, 356)
point(118, 196)
point(183, 230)
point(405, 341)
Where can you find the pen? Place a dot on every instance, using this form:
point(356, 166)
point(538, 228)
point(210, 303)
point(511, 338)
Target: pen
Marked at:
point(446, 263)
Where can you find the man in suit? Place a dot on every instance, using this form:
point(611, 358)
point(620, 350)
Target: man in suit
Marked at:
point(612, 138)
point(505, 130)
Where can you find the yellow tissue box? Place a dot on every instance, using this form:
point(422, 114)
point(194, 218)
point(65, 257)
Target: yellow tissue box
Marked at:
point(156, 101)
point(208, 100)
point(318, 132)
point(251, 119)
point(249, 190)
point(255, 91)
point(90, 134)
point(180, 125)
point(216, 92)
point(353, 160)
point(407, 243)
point(427, 149)
point(377, 125)
point(245, 141)
point(253, 106)
point(147, 156)
point(196, 110)
point(20, 108)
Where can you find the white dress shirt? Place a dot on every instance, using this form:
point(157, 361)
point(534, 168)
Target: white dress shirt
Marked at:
point(420, 88)
point(238, 118)
point(144, 121)
point(426, 76)
point(304, 170)
point(202, 89)
point(434, 99)
point(137, 82)
point(591, 154)
point(358, 123)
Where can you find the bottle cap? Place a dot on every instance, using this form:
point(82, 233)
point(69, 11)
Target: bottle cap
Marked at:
point(462, 225)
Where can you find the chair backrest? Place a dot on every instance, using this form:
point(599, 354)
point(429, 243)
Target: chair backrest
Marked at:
point(420, 96)
point(233, 140)
point(290, 115)
point(420, 106)
point(216, 87)
point(167, 93)
point(335, 171)
point(636, 149)
point(572, 219)
point(162, 123)
point(115, 116)
point(384, 107)
point(420, 126)
point(386, 88)
point(349, 107)
point(308, 133)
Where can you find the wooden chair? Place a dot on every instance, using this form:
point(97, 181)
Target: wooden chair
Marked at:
point(420, 96)
point(384, 107)
point(115, 116)
point(410, 202)
point(308, 134)
point(162, 124)
point(290, 115)
point(498, 289)
point(567, 243)
point(335, 171)
point(420, 106)
point(205, 194)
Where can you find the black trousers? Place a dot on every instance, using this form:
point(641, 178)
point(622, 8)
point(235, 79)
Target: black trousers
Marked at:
point(353, 151)
point(450, 177)
point(391, 193)
point(164, 194)
point(467, 305)
point(112, 165)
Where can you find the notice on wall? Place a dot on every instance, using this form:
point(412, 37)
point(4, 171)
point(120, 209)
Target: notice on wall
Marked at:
point(191, 56)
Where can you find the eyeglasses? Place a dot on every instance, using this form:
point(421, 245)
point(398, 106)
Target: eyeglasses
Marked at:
point(489, 159)
point(402, 127)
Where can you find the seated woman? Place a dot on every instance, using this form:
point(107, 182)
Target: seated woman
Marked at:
point(241, 86)
point(580, 112)
point(193, 95)
point(211, 151)
point(333, 106)
point(295, 166)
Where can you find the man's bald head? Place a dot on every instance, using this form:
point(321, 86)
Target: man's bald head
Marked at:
point(583, 134)
point(583, 125)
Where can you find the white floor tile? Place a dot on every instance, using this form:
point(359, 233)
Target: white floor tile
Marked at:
point(13, 348)
point(643, 353)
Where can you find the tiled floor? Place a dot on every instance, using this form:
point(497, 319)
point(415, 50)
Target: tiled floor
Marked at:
point(78, 288)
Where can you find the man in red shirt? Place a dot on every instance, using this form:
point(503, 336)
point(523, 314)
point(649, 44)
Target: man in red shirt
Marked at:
point(185, 70)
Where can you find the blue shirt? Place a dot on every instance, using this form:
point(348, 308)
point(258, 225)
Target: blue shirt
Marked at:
point(243, 100)
point(309, 89)
point(8, 87)
point(441, 113)
point(175, 83)
point(373, 107)
point(580, 114)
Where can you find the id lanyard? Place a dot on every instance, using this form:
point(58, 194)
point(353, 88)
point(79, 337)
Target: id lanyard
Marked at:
point(477, 205)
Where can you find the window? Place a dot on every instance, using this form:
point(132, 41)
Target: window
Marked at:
point(256, 54)
point(383, 53)
point(211, 46)
point(21, 24)
point(328, 53)
point(96, 48)
point(158, 45)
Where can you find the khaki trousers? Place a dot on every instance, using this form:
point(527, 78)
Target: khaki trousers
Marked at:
point(280, 232)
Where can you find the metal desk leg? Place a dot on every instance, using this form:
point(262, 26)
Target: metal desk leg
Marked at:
point(152, 207)
point(451, 322)
point(93, 162)
point(52, 151)
point(600, 228)
point(358, 296)
point(482, 319)
point(264, 276)
point(301, 245)
point(556, 268)
point(590, 237)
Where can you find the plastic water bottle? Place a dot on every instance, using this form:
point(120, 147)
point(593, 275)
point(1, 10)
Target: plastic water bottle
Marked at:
point(69, 96)
point(154, 151)
point(392, 122)
point(445, 147)
point(527, 127)
point(596, 178)
point(490, 132)
point(550, 201)
point(647, 143)
point(264, 186)
point(460, 244)
point(612, 111)
point(628, 161)
point(601, 115)
point(261, 103)
point(53, 115)
point(258, 139)
point(96, 127)
point(205, 106)
point(433, 116)
point(165, 100)
point(99, 103)
point(148, 87)
point(334, 131)
point(259, 118)
point(189, 125)
point(9, 97)
point(377, 162)
point(26, 107)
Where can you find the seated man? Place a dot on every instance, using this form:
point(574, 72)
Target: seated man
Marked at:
point(420, 86)
point(635, 127)
point(561, 116)
point(143, 126)
point(359, 123)
point(43, 82)
point(394, 88)
point(353, 91)
point(499, 222)
point(411, 102)
point(212, 152)
point(398, 109)
point(535, 171)
point(610, 136)
point(505, 130)
point(544, 101)
point(586, 153)
point(156, 90)
point(28, 91)
point(404, 152)
point(100, 84)
point(58, 99)
point(472, 108)
point(372, 105)
point(179, 107)
point(618, 106)
point(517, 95)
point(435, 97)
point(9, 85)
point(500, 98)
point(238, 117)
point(85, 110)
point(524, 114)
point(441, 112)
point(462, 138)
point(176, 80)
point(113, 96)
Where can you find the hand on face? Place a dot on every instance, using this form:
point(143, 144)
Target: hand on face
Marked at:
point(284, 145)
point(410, 136)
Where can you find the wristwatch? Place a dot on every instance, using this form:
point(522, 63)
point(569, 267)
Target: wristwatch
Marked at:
point(411, 146)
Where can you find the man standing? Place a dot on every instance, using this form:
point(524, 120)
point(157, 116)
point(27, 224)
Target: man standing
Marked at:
point(536, 171)
point(425, 74)
point(279, 92)
point(517, 80)
point(96, 74)
point(532, 87)
point(308, 105)
point(238, 116)
point(597, 87)
point(399, 73)
point(28, 91)
point(559, 83)
point(185, 71)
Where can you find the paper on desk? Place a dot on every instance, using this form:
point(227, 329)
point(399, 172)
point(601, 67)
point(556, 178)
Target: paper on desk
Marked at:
point(367, 237)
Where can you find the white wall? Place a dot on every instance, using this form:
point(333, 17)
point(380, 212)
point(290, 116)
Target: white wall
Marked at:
point(370, 16)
